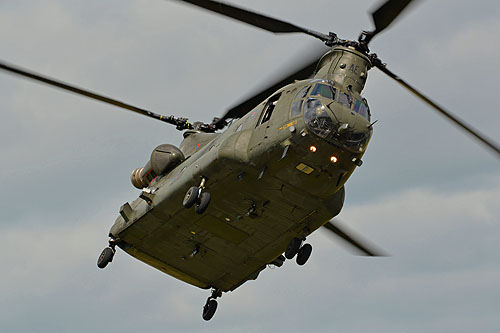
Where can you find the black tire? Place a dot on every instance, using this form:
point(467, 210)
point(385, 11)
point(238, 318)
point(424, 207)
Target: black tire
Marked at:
point(105, 258)
point(209, 309)
point(304, 254)
point(202, 204)
point(293, 248)
point(191, 197)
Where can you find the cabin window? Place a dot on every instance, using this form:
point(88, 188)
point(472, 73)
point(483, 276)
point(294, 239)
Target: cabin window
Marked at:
point(268, 109)
point(324, 91)
point(268, 112)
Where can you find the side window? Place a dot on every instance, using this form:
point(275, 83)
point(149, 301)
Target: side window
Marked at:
point(268, 109)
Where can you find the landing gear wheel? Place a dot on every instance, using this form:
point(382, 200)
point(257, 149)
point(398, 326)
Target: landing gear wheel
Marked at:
point(293, 248)
point(304, 254)
point(106, 257)
point(190, 197)
point(202, 204)
point(209, 309)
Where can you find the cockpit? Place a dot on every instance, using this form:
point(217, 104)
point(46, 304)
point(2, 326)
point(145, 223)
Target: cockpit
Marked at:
point(330, 113)
point(326, 89)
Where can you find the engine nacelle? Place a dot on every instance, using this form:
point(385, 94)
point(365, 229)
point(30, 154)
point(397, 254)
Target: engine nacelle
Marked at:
point(163, 159)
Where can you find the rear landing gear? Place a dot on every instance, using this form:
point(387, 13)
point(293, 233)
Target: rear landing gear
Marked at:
point(293, 248)
point(211, 305)
point(296, 248)
point(304, 254)
point(198, 196)
point(209, 309)
point(106, 255)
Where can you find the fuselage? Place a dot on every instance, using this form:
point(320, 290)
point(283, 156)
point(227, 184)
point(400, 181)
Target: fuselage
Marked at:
point(276, 173)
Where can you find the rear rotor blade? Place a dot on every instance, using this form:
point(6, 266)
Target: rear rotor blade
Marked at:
point(382, 17)
point(255, 19)
point(489, 143)
point(360, 245)
point(246, 106)
point(180, 123)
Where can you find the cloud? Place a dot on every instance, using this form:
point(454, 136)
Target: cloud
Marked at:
point(426, 193)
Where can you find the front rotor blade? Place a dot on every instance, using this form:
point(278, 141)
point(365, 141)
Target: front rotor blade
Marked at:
point(360, 245)
point(255, 19)
point(385, 14)
point(382, 18)
point(180, 123)
point(489, 143)
point(246, 106)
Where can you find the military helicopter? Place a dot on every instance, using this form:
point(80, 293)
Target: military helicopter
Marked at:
point(283, 158)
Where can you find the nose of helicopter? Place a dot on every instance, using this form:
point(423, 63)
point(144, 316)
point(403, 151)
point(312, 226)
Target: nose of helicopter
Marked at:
point(337, 124)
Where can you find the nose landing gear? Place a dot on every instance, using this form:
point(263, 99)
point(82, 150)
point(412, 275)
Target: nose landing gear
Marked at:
point(202, 203)
point(211, 305)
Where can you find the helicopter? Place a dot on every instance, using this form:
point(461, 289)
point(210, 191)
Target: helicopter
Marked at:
point(322, 92)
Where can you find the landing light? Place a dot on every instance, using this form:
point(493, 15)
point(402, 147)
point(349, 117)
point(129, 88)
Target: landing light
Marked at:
point(313, 149)
point(333, 159)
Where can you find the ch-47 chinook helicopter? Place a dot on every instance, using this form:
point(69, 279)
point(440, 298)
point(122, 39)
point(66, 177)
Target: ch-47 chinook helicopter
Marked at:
point(217, 210)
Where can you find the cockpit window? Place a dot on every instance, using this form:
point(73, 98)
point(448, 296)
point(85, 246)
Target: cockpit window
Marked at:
point(345, 99)
point(316, 118)
point(297, 104)
point(324, 90)
point(361, 108)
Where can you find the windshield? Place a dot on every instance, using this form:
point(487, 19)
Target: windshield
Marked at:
point(316, 118)
point(325, 91)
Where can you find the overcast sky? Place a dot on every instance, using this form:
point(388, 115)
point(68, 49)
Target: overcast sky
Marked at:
point(427, 194)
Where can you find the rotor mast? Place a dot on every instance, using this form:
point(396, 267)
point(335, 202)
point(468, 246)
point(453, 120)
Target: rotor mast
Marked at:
point(346, 66)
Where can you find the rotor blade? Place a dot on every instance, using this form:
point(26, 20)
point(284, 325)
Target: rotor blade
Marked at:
point(180, 123)
point(489, 143)
point(246, 106)
point(255, 19)
point(360, 245)
point(386, 13)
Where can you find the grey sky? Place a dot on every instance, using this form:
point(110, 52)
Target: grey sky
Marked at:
point(426, 193)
